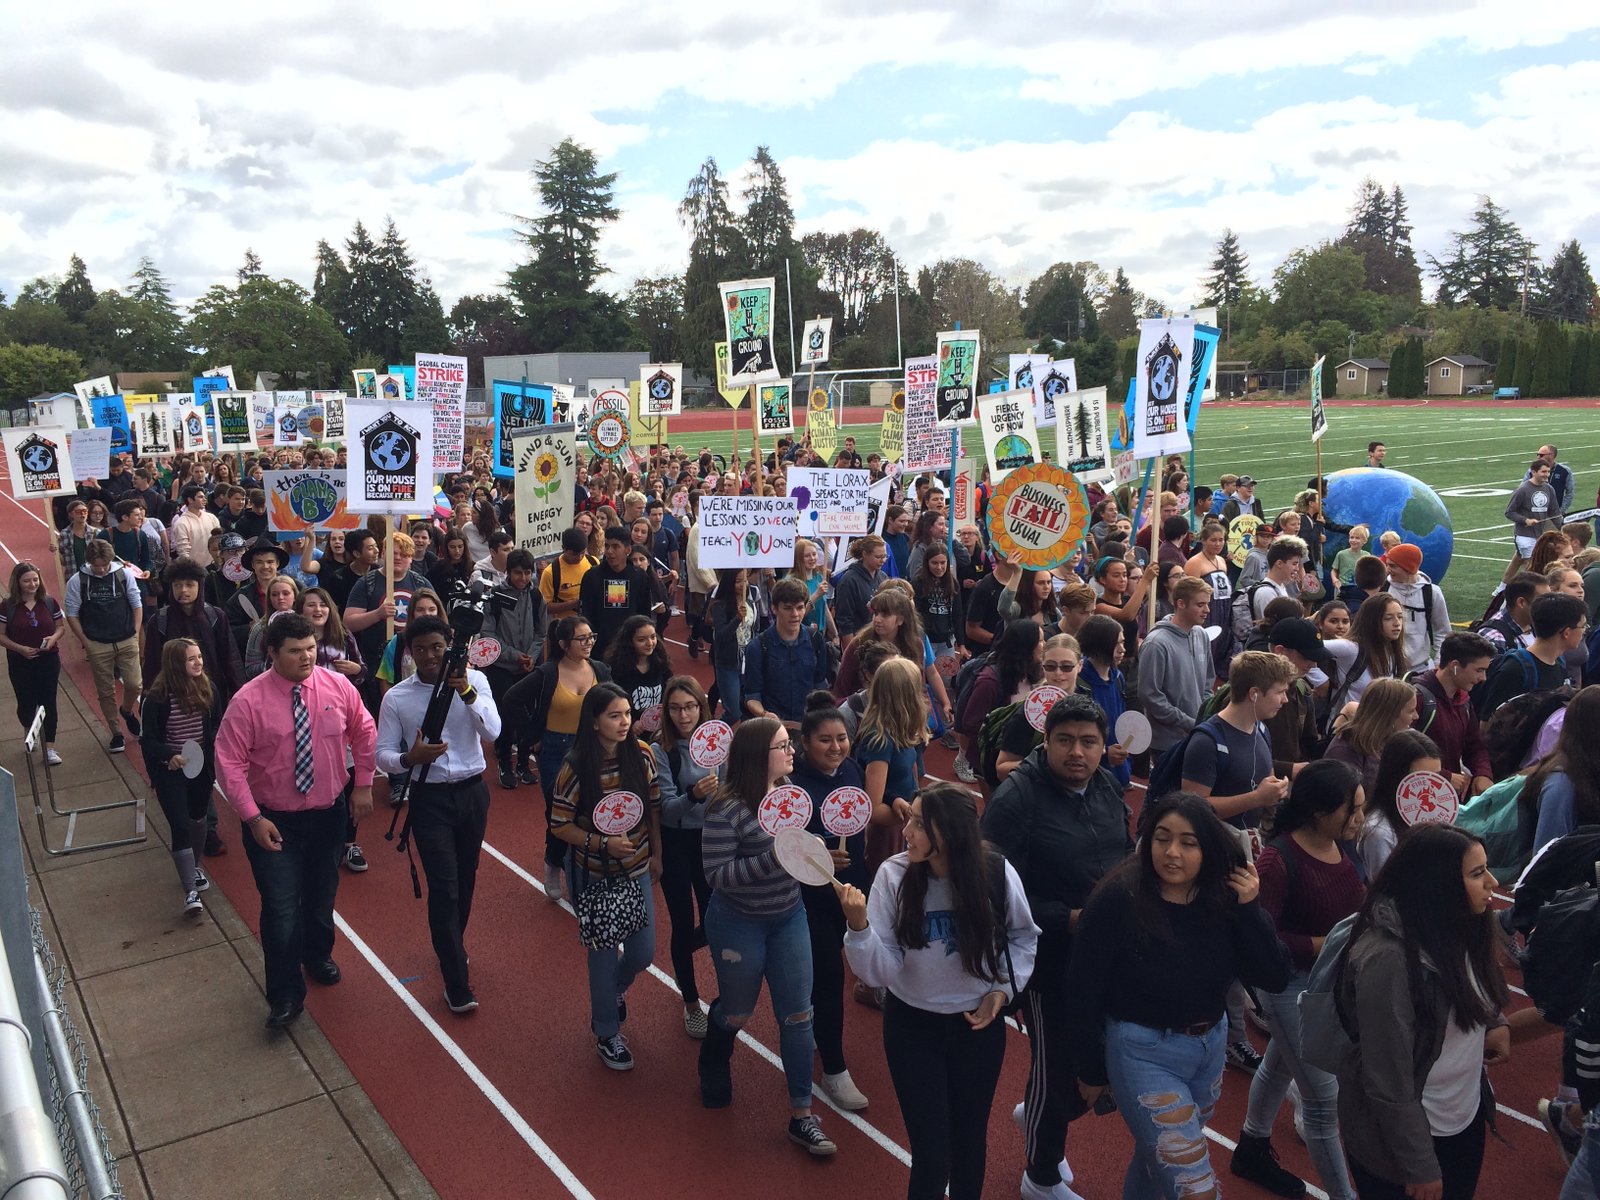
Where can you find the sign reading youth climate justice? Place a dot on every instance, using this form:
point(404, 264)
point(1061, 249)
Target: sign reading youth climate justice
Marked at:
point(747, 531)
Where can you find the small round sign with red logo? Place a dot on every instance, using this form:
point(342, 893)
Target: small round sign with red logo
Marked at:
point(235, 571)
point(618, 812)
point(650, 719)
point(846, 811)
point(1039, 703)
point(947, 665)
point(785, 807)
point(482, 652)
point(709, 745)
point(1424, 798)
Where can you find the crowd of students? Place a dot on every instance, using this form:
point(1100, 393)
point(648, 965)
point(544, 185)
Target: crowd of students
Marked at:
point(1288, 697)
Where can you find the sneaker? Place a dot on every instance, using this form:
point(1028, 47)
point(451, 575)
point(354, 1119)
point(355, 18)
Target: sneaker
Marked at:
point(117, 745)
point(51, 757)
point(950, 742)
point(354, 860)
point(842, 1090)
point(463, 1003)
point(131, 720)
point(614, 1052)
point(694, 1022)
point(529, 774)
point(1056, 1191)
point(507, 779)
point(192, 906)
point(202, 881)
point(1553, 1114)
point(215, 846)
point(807, 1132)
point(1299, 1111)
point(1254, 1159)
point(963, 768)
point(555, 882)
point(1242, 1056)
point(1257, 1018)
point(694, 647)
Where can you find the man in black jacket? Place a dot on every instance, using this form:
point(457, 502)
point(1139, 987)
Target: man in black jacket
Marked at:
point(1060, 820)
point(613, 591)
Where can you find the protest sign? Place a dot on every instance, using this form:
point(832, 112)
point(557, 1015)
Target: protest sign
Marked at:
point(307, 502)
point(1124, 467)
point(892, 433)
point(822, 425)
point(36, 456)
point(660, 389)
point(366, 384)
point(191, 424)
point(547, 475)
point(964, 503)
point(956, 393)
point(230, 416)
point(391, 388)
point(111, 412)
point(1010, 437)
point(1319, 418)
point(747, 531)
point(88, 389)
point(1051, 382)
point(561, 403)
point(1081, 431)
point(1024, 372)
point(391, 458)
point(441, 383)
point(222, 373)
point(329, 427)
point(151, 421)
point(514, 407)
point(409, 374)
point(1202, 373)
point(829, 502)
point(747, 310)
point(774, 406)
point(733, 395)
point(927, 447)
point(610, 432)
point(816, 341)
point(90, 452)
point(286, 409)
point(205, 387)
point(1161, 382)
point(1038, 517)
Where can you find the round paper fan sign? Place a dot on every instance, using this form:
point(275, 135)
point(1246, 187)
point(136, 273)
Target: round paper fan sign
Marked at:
point(1425, 798)
point(235, 571)
point(787, 806)
point(482, 652)
point(709, 745)
point(650, 718)
point(1242, 537)
point(1039, 703)
point(947, 665)
point(618, 812)
point(846, 811)
point(1133, 732)
point(1038, 516)
point(194, 759)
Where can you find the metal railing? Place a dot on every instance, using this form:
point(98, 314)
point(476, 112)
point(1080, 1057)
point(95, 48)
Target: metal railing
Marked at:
point(30, 744)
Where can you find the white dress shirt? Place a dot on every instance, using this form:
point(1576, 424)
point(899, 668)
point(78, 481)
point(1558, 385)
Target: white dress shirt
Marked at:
point(465, 727)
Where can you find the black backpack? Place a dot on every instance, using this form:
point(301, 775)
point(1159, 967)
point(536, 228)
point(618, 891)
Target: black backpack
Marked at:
point(1167, 775)
point(1562, 950)
point(103, 606)
point(965, 678)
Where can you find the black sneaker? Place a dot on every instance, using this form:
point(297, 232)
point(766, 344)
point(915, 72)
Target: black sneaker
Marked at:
point(694, 647)
point(507, 779)
point(117, 745)
point(1242, 1056)
point(354, 860)
point(1552, 1115)
point(202, 882)
point(614, 1052)
point(807, 1132)
point(529, 774)
point(215, 846)
point(1255, 1159)
point(461, 1003)
point(131, 720)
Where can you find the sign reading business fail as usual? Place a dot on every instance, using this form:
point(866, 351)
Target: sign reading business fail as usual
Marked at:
point(1038, 516)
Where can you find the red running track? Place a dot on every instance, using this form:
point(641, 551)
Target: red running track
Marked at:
point(512, 1101)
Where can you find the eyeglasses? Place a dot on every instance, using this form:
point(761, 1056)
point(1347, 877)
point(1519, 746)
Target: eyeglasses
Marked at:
point(584, 638)
point(785, 747)
point(683, 710)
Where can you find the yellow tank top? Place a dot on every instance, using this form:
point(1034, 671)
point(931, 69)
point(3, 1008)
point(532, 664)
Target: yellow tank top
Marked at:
point(565, 706)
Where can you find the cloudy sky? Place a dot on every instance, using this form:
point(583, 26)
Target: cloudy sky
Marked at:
point(1125, 132)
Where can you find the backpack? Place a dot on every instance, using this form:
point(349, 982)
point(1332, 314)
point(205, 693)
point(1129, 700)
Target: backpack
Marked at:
point(214, 614)
point(103, 606)
point(1512, 730)
point(989, 735)
point(965, 678)
point(1244, 612)
point(1562, 951)
point(1167, 775)
point(1427, 608)
point(1497, 815)
point(1325, 1042)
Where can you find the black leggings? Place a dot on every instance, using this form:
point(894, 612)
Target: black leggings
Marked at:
point(513, 734)
point(944, 1073)
point(182, 800)
point(826, 921)
point(34, 681)
point(1460, 1160)
point(684, 887)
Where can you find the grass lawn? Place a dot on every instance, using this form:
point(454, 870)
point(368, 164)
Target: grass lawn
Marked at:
point(1482, 448)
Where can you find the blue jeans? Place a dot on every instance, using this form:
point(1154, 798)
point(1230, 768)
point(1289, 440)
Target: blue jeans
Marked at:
point(297, 885)
point(1583, 1179)
point(553, 749)
point(612, 970)
point(1156, 1073)
point(1319, 1091)
point(746, 950)
point(729, 685)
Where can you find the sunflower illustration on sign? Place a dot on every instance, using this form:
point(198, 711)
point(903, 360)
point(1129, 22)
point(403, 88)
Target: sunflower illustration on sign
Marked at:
point(819, 399)
point(547, 470)
point(898, 402)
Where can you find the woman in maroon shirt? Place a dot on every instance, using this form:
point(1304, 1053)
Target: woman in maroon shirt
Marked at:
point(31, 627)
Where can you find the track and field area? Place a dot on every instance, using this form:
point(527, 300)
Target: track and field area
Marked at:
point(1480, 448)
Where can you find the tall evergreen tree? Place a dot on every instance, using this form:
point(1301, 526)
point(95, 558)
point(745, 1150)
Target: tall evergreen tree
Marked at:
point(1489, 264)
point(359, 314)
point(250, 268)
point(1229, 278)
point(655, 306)
point(331, 282)
point(76, 296)
point(163, 322)
point(768, 228)
point(398, 295)
point(1552, 368)
point(1525, 357)
point(1568, 292)
point(1505, 371)
point(717, 253)
point(1582, 346)
point(1372, 214)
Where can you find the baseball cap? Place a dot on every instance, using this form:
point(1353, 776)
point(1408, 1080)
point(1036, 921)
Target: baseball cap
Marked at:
point(232, 542)
point(1299, 635)
point(1405, 556)
point(1246, 481)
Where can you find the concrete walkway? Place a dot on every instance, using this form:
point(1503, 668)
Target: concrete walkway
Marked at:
point(199, 1100)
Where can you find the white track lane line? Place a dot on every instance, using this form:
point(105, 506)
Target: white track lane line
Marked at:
point(29, 512)
point(883, 1140)
point(491, 1093)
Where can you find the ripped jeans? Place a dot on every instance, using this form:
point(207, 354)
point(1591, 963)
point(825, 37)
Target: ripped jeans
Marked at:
point(746, 950)
point(1166, 1085)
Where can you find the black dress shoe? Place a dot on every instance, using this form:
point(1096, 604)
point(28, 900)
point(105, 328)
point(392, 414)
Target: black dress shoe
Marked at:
point(284, 1013)
point(325, 972)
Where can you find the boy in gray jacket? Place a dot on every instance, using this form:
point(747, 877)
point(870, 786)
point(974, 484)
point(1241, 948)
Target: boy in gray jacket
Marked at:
point(1175, 670)
point(514, 619)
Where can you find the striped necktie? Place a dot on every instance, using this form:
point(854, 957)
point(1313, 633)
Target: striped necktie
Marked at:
point(305, 771)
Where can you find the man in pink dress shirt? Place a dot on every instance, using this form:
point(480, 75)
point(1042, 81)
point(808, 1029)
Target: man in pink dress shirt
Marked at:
point(281, 763)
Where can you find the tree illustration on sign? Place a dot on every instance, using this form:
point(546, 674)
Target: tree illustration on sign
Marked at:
point(1081, 429)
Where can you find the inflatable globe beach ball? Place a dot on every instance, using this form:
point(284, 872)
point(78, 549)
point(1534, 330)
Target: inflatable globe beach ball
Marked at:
point(1381, 500)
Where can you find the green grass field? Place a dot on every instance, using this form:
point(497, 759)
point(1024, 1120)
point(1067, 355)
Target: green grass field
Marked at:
point(1484, 447)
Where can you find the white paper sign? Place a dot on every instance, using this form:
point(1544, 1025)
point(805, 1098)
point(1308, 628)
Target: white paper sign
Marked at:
point(1081, 432)
point(547, 472)
point(332, 406)
point(829, 502)
point(234, 421)
point(1051, 382)
point(222, 373)
point(1161, 384)
point(442, 384)
point(1010, 437)
point(88, 389)
point(927, 445)
point(660, 389)
point(152, 429)
point(286, 421)
point(90, 452)
point(36, 456)
point(390, 465)
point(191, 424)
point(747, 531)
point(1024, 371)
point(816, 341)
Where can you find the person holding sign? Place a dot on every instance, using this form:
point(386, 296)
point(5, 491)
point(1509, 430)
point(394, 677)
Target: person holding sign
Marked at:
point(942, 1031)
point(1407, 753)
point(608, 809)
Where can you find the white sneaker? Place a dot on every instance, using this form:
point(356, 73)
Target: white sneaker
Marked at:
point(555, 883)
point(1299, 1112)
point(1019, 1116)
point(51, 757)
point(963, 768)
point(1061, 1191)
point(842, 1090)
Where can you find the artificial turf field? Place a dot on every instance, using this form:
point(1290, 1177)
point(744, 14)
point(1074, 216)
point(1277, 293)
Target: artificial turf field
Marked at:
point(1454, 446)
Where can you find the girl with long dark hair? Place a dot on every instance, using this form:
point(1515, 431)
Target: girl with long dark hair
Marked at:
point(939, 605)
point(1406, 753)
point(735, 622)
point(639, 666)
point(451, 574)
point(1374, 650)
point(1159, 944)
point(1421, 993)
point(1564, 788)
point(1016, 668)
point(31, 627)
point(948, 932)
point(605, 759)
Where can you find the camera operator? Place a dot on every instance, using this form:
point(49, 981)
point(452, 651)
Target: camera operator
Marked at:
point(449, 800)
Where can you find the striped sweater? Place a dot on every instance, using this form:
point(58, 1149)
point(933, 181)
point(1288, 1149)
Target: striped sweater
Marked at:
point(567, 808)
point(741, 865)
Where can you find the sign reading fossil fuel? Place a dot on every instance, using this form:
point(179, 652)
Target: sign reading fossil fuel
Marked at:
point(547, 474)
point(747, 312)
point(1038, 516)
point(747, 531)
point(390, 466)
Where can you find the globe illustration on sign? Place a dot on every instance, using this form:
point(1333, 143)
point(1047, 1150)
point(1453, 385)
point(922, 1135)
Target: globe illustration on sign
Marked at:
point(1382, 499)
point(1013, 449)
point(38, 458)
point(390, 451)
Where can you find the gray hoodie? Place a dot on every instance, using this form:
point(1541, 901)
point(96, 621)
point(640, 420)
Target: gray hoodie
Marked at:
point(1427, 620)
point(1175, 677)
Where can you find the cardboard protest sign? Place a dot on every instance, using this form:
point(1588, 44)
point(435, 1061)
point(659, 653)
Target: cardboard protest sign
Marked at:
point(1319, 418)
point(964, 502)
point(514, 407)
point(822, 425)
point(90, 453)
point(547, 475)
point(36, 456)
point(1038, 517)
point(748, 311)
point(329, 427)
point(773, 404)
point(307, 502)
point(892, 433)
point(829, 502)
point(1161, 381)
point(151, 421)
point(747, 531)
point(366, 384)
point(111, 412)
point(390, 465)
point(230, 416)
point(441, 383)
point(222, 373)
point(1051, 382)
point(660, 389)
point(733, 395)
point(957, 390)
point(1081, 431)
point(816, 340)
point(409, 374)
point(191, 424)
point(88, 389)
point(927, 445)
point(1010, 437)
point(286, 409)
